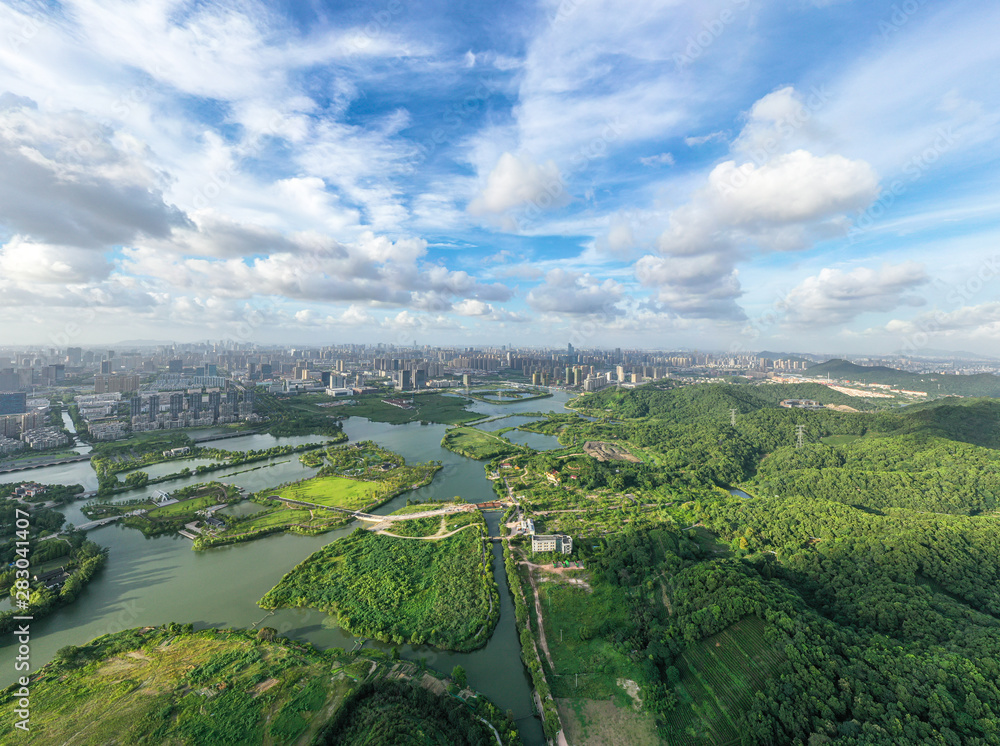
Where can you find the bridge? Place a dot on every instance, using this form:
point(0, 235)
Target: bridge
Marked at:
point(39, 465)
point(97, 524)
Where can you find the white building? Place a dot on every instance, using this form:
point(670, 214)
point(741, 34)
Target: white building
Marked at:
point(551, 543)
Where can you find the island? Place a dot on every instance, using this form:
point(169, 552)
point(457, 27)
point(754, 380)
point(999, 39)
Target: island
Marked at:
point(171, 684)
point(422, 575)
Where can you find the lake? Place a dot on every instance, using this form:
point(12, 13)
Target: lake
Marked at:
point(158, 580)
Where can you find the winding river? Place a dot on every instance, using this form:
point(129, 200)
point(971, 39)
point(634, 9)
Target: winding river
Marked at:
point(158, 580)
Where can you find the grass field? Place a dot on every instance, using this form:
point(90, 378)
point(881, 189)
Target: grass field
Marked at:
point(719, 676)
point(336, 492)
point(190, 688)
point(185, 507)
point(473, 443)
point(590, 722)
point(571, 614)
point(168, 685)
point(280, 516)
point(434, 525)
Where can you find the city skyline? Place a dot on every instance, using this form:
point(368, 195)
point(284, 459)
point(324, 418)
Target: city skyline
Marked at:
point(732, 176)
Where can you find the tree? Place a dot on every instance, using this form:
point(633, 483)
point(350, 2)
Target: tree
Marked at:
point(459, 677)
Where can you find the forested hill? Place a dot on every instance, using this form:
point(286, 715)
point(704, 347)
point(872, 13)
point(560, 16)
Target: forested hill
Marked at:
point(975, 421)
point(981, 384)
point(858, 601)
point(942, 456)
point(707, 401)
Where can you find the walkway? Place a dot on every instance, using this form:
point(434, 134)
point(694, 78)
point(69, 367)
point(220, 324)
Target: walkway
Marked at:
point(433, 537)
point(462, 508)
point(97, 524)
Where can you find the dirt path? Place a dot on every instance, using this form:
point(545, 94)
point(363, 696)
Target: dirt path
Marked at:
point(435, 537)
point(541, 627)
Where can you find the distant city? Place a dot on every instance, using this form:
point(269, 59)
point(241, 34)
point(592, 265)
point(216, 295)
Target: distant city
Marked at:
point(116, 392)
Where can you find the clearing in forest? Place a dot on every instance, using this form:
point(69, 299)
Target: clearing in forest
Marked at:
point(608, 451)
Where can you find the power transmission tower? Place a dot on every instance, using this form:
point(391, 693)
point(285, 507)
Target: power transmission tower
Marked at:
point(732, 417)
point(800, 435)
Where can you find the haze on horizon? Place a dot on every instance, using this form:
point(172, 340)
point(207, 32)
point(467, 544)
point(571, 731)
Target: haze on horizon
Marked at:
point(728, 173)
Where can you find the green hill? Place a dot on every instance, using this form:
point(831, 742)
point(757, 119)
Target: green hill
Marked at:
point(935, 384)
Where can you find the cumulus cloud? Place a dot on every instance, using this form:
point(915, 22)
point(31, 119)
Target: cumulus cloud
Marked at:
point(768, 198)
point(979, 320)
point(836, 297)
point(25, 261)
point(564, 291)
point(517, 181)
point(73, 182)
point(314, 267)
point(781, 121)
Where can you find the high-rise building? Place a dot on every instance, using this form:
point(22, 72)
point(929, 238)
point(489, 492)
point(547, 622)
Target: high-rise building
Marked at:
point(175, 366)
point(214, 402)
point(110, 384)
point(106, 367)
point(176, 405)
point(136, 406)
point(154, 406)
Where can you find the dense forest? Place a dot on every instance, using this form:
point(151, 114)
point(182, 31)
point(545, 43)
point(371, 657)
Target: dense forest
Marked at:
point(855, 597)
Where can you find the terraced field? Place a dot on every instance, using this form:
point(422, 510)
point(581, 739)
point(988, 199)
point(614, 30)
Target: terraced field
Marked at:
point(719, 676)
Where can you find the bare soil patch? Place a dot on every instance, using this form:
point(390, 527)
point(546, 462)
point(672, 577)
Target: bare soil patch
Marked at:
point(607, 451)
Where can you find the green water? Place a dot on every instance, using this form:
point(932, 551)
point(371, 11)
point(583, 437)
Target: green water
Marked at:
point(158, 580)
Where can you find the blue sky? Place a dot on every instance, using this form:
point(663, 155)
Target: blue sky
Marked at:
point(731, 174)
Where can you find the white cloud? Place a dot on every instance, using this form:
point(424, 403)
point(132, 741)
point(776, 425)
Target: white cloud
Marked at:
point(576, 293)
point(837, 297)
point(662, 159)
point(24, 261)
point(69, 180)
point(982, 320)
point(786, 204)
point(518, 181)
point(697, 140)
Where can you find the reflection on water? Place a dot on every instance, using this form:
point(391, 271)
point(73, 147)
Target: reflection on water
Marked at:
point(159, 580)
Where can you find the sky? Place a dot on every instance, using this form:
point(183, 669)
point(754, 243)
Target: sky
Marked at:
point(736, 175)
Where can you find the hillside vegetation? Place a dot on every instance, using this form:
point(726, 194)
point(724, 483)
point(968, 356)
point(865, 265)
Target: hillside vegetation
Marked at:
point(851, 597)
point(934, 384)
point(171, 685)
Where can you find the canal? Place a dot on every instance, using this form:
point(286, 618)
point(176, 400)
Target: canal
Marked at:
point(157, 580)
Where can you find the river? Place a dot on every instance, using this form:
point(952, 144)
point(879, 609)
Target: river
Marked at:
point(158, 580)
